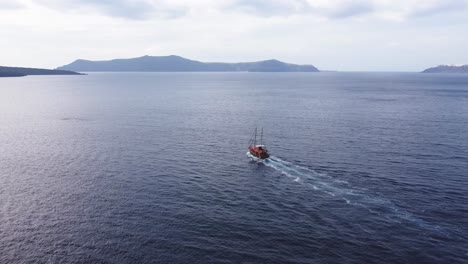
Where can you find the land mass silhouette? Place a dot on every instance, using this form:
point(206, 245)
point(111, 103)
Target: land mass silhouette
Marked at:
point(179, 64)
point(447, 69)
point(20, 72)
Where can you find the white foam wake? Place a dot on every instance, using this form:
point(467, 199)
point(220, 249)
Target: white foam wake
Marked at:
point(342, 189)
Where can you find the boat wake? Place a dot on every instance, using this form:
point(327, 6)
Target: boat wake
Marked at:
point(254, 159)
point(343, 190)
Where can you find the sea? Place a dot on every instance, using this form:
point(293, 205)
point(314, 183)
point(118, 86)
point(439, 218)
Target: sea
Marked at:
point(152, 168)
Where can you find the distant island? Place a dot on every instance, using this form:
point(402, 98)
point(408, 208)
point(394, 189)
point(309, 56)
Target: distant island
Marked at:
point(447, 69)
point(179, 64)
point(20, 72)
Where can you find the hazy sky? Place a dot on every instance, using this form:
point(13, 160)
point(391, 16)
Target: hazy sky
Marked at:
point(373, 35)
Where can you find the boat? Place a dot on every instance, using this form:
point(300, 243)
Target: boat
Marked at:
point(258, 151)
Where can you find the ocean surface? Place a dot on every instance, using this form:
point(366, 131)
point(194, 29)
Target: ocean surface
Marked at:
point(152, 168)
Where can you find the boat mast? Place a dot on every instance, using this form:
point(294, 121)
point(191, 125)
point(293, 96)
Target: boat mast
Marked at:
point(255, 137)
point(261, 137)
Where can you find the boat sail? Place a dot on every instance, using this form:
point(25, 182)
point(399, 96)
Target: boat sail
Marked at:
point(258, 150)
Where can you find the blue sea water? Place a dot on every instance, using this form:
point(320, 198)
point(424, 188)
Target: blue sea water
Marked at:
point(152, 168)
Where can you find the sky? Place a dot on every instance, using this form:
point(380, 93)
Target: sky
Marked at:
point(343, 35)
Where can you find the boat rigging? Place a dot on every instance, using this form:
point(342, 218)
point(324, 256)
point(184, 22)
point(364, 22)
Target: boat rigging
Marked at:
point(258, 150)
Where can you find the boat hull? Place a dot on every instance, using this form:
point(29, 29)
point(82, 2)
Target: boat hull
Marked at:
point(259, 152)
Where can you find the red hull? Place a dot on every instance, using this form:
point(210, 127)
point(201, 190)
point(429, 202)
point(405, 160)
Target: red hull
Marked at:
point(259, 152)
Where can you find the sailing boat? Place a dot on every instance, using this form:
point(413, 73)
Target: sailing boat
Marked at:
point(258, 151)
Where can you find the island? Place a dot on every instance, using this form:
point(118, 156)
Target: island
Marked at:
point(175, 63)
point(447, 69)
point(20, 72)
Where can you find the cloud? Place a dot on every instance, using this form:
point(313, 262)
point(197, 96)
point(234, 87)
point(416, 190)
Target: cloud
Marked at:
point(399, 10)
point(136, 9)
point(129, 9)
point(271, 7)
point(340, 9)
point(438, 7)
point(329, 9)
point(8, 5)
point(349, 9)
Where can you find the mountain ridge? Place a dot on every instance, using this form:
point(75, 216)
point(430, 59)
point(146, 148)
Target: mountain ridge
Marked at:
point(447, 69)
point(21, 72)
point(174, 63)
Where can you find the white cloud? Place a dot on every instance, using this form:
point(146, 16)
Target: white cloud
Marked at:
point(6, 4)
point(270, 7)
point(148, 9)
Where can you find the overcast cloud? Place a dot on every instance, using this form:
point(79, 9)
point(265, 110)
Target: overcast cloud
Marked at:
point(381, 35)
